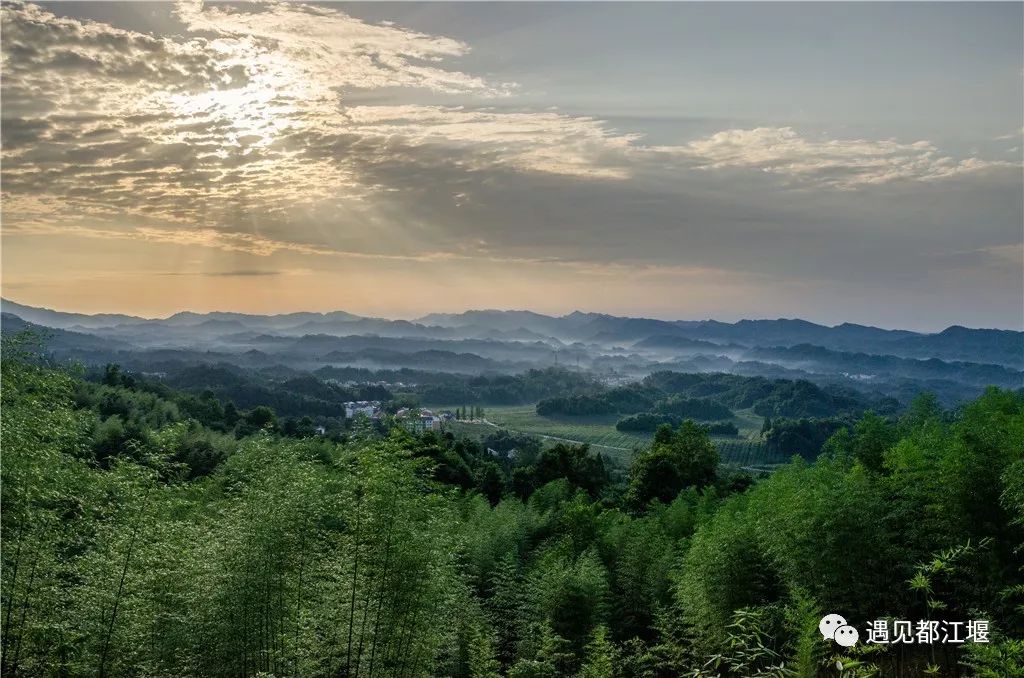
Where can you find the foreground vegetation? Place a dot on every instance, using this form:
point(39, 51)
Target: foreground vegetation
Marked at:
point(175, 550)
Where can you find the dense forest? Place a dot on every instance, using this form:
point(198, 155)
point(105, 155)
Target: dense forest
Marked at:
point(663, 397)
point(142, 537)
point(710, 396)
point(293, 392)
point(648, 422)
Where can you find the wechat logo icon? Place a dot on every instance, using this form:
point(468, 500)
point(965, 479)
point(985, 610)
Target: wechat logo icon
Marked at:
point(834, 627)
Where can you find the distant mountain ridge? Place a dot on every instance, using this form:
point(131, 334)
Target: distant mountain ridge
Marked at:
point(955, 364)
point(608, 332)
point(57, 338)
point(63, 320)
point(68, 320)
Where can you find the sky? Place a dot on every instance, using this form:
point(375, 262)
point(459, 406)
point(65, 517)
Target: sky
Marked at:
point(836, 162)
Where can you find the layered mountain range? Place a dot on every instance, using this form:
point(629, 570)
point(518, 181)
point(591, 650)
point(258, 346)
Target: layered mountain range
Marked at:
point(955, 363)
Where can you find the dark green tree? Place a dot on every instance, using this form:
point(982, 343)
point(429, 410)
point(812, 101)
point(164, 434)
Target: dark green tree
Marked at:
point(676, 460)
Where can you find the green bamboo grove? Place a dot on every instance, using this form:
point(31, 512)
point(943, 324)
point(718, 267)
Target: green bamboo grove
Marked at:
point(306, 557)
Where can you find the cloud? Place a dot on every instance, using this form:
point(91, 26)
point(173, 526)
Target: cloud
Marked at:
point(1011, 254)
point(334, 50)
point(1012, 135)
point(55, 64)
point(995, 260)
point(226, 241)
point(237, 273)
point(838, 163)
point(243, 273)
point(544, 141)
point(477, 254)
point(245, 122)
point(244, 136)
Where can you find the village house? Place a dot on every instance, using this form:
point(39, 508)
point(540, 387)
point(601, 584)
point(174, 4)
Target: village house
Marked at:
point(417, 421)
point(367, 407)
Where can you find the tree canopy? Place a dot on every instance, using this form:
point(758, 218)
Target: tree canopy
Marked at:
point(141, 541)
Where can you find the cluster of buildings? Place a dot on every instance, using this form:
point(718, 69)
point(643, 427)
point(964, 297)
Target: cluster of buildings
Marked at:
point(390, 385)
point(416, 421)
point(370, 408)
point(413, 420)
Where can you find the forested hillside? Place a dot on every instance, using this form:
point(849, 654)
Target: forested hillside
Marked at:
point(710, 396)
point(400, 555)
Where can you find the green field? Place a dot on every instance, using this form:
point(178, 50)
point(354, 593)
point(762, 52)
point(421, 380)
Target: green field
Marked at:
point(745, 450)
point(749, 454)
point(597, 431)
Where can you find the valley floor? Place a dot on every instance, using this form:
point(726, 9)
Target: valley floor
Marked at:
point(746, 449)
